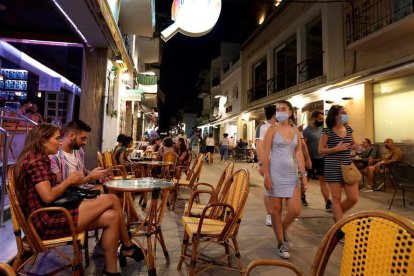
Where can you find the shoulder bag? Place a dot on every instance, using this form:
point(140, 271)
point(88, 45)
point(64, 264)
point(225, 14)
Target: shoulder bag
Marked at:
point(350, 173)
point(73, 196)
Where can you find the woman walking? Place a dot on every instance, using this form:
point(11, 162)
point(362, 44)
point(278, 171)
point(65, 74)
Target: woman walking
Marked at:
point(282, 145)
point(210, 144)
point(336, 143)
point(36, 187)
point(224, 147)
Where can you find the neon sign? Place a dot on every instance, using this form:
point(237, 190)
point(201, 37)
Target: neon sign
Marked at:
point(192, 17)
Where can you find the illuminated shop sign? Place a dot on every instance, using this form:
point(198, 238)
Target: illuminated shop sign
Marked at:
point(192, 17)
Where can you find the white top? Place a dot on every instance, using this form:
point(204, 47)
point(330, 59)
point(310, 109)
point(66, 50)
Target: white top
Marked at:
point(263, 129)
point(71, 161)
point(210, 142)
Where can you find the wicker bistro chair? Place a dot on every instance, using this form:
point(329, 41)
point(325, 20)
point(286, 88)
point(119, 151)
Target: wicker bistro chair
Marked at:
point(219, 227)
point(376, 243)
point(187, 182)
point(219, 191)
point(31, 244)
point(6, 270)
point(114, 171)
point(169, 172)
point(402, 178)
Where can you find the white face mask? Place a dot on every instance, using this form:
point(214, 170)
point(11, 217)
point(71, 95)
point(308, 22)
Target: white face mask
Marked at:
point(344, 118)
point(282, 116)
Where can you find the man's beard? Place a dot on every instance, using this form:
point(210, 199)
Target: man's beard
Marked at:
point(74, 145)
point(387, 147)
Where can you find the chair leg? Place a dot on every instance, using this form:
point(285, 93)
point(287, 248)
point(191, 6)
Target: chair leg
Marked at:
point(193, 262)
point(183, 251)
point(237, 253)
point(86, 249)
point(392, 200)
point(227, 250)
point(164, 248)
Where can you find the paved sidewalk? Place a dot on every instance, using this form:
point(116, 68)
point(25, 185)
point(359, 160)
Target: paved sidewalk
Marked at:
point(255, 239)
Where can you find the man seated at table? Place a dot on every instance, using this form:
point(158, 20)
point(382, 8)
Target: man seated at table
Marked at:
point(365, 154)
point(70, 156)
point(376, 165)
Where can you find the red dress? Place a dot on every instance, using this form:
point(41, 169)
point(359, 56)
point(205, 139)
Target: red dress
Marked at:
point(49, 225)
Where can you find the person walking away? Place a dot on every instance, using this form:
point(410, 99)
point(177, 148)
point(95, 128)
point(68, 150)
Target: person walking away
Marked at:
point(210, 144)
point(195, 148)
point(335, 144)
point(270, 112)
point(224, 147)
point(281, 157)
point(311, 135)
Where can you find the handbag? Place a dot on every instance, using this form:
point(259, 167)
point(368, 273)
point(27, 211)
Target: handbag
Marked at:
point(73, 196)
point(350, 173)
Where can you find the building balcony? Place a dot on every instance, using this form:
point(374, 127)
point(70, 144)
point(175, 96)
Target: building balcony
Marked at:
point(290, 81)
point(375, 22)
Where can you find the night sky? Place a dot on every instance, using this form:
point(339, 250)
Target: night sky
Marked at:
point(184, 57)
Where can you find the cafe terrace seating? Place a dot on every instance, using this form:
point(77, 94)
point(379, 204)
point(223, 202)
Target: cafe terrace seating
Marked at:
point(30, 245)
point(197, 207)
point(219, 226)
point(376, 243)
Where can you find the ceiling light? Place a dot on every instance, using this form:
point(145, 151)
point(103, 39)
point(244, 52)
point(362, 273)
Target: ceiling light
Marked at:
point(347, 98)
point(1, 77)
point(217, 96)
point(119, 60)
point(39, 94)
point(329, 102)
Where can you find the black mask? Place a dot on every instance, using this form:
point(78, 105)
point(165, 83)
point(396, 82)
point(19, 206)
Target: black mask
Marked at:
point(318, 124)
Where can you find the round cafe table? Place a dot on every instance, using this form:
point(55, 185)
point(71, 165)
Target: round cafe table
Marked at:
point(150, 226)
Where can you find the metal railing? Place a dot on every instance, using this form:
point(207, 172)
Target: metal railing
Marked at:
point(306, 70)
point(5, 141)
point(373, 15)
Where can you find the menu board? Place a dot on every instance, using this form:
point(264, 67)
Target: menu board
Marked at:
point(13, 87)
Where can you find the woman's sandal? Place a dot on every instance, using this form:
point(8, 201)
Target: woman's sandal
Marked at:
point(137, 255)
point(105, 273)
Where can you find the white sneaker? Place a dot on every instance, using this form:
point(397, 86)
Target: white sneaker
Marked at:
point(283, 252)
point(268, 220)
point(366, 189)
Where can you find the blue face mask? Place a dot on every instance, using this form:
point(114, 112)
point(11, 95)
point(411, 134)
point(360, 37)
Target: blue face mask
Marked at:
point(344, 118)
point(282, 116)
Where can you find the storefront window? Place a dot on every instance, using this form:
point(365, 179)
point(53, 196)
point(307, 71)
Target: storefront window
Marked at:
point(393, 110)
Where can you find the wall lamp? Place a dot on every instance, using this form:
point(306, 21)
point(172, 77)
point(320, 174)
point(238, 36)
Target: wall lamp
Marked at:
point(1, 77)
point(329, 102)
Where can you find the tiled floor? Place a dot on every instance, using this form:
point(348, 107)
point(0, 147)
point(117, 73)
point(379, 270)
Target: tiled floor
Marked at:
point(255, 239)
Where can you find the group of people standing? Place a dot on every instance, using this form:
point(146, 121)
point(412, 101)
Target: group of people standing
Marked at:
point(285, 158)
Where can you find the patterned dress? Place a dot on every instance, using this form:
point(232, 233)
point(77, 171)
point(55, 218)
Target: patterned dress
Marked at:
point(49, 225)
point(333, 172)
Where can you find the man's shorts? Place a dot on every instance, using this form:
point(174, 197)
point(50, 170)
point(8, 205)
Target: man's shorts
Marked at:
point(318, 165)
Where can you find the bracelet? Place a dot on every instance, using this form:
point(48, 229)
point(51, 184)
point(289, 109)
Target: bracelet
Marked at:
point(303, 174)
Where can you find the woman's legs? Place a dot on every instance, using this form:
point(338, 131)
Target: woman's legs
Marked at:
point(339, 208)
point(275, 206)
point(294, 208)
point(352, 195)
point(105, 212)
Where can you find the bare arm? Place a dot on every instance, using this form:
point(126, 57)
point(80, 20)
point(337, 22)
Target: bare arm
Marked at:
point(323, 146)
point(48, 194)
point(267, 143)
point(300, 154)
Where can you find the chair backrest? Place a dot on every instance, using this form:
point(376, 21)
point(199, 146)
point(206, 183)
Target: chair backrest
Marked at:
point(195, 175)
point(237, 191)
point(172, 157)
point(108, 160)
point(401, 172)
point(6, 270)
point(225, 176)
point(100, 159)
point(19, 220)
point(271, 262)
point(376, 243)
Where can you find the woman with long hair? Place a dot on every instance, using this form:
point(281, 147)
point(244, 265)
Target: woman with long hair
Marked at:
point(335, 144)
point(36, 187)
point(282, 145)
point(183, 155)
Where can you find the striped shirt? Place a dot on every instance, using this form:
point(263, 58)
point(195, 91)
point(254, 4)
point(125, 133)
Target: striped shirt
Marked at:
point(60, 163)
point(333, 172)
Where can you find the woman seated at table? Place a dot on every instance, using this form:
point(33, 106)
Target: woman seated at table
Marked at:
point(36, 187)
point(121, 156)
point(166, 147)
point(183, 155)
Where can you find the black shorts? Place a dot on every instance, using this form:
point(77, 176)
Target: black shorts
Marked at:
point(210, 149)
point(318, 165)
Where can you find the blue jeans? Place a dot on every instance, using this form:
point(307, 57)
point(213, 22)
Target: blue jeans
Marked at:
point(224, 152)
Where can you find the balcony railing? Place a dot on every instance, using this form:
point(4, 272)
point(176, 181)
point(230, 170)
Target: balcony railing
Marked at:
point(306, 70)
point(373, 15)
